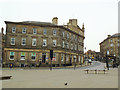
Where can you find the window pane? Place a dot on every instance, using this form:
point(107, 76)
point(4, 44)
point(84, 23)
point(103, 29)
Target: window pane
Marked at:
point(34, 31)
point(44, 42)
point(44, 31)
point(13, 29)
point(34, 42)
point(54, 32)
point(54, 42)
point(23, 30)
point(11, 55)
point(33, 54)
point(12, 41)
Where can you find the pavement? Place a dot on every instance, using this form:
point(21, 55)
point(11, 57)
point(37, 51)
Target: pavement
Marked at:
point(78, 78)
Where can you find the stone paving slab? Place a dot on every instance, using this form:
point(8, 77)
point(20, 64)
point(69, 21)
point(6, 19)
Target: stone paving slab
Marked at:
point(56, 79)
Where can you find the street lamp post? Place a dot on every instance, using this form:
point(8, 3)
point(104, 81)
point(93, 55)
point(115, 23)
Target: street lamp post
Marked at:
point(74, 63)
point(107, 60)
point(85, 56)
point(65, 53)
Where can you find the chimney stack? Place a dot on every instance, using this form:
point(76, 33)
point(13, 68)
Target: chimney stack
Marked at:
point(72, 22)
point(109, 36)
point(55, 20)
point(83, 28)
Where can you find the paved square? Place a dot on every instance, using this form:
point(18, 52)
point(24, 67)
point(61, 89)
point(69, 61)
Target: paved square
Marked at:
point(43, 78)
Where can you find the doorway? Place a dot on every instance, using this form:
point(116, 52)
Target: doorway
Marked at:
point(70, 59)
point(43, 57)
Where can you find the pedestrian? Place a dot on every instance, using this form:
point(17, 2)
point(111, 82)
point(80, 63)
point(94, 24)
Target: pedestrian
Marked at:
point(74, 66)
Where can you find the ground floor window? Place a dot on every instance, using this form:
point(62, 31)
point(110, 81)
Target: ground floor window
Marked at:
point(54, 57)
point(33, 56)
point(62, 57)
point(74, 58)
point(22, 55)
point(67, 57)
point(11, 55)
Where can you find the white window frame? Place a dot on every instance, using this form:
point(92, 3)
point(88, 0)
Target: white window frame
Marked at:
point(67, 45)
point(54, 43)
point(34, 30)
point(71, 36)
point(54, 32)
point(44, 41)
point(12, 40)
point(67, 35)
point(111, 45)
point(23, 40)
point(44, 32)
point(22, 55)
point(54, 57)
point(14, 56)
point(34, 41)
point(24, 30)
point(75, 38)
point(67, 57)
point(34, 56)
point(63, 44)
point(71, 46)
point(111, 40)
point(75, 47)
point(13, 29)
point(63, 34)
point(118, 44)
point(62, 57)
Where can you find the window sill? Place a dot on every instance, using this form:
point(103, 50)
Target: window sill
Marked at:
point(24, 45)
point(12, 59)
point(33, 45)
point(22, 59)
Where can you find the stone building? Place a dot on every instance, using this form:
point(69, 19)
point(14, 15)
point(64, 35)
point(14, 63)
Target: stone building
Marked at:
point(2, 44)
point(29, 43)
point(0, 48)
point(111, 45)
point(93, 55)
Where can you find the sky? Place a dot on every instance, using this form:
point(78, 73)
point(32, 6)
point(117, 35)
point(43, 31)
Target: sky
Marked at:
point(100, 17)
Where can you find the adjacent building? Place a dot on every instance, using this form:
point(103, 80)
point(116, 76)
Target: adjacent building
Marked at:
point(29, 43)
point(111, 46)
point(93, 55)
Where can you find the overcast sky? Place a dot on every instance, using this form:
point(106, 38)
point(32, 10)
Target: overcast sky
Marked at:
point(99, 16)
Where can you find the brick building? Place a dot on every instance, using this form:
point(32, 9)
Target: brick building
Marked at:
point(29, 43)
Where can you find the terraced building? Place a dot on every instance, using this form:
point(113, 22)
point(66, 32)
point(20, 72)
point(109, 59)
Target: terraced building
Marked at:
point(29, 43)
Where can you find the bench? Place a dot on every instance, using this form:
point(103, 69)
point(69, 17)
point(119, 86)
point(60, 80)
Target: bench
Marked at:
point(5, 77)
point(95, 70)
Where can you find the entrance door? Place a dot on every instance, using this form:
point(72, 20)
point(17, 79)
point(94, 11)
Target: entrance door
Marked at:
point(43, 57)
point(22, 65)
